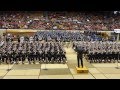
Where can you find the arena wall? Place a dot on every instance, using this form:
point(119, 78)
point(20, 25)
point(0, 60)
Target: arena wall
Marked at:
point(32, 31)
point(2, 31)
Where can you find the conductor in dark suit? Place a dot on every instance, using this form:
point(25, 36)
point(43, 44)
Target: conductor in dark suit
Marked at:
point(80, 51)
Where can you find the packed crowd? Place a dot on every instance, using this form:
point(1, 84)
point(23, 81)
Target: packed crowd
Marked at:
point(99, 51)
point(58, 21)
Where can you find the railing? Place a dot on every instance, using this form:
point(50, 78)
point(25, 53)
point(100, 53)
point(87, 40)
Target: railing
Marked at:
point(35, 30)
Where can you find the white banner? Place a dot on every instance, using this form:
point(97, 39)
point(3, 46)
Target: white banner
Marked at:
point(117, 30)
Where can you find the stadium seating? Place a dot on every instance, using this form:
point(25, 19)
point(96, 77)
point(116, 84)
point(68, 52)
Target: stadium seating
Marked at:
point(58, 21)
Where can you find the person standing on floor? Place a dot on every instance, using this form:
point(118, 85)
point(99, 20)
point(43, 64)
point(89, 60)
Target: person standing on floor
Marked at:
point(80, 51)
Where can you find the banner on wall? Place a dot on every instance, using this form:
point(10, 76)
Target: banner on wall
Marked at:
point(117, 30)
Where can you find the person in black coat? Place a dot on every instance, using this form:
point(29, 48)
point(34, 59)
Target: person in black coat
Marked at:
point(23, 56)
point(63, 57)
point(80, 51)
point(49, 55)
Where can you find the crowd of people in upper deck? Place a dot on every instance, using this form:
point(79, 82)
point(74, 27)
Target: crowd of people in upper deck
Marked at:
point(59, 20)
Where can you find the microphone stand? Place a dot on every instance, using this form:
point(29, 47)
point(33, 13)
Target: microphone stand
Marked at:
point(45, 67)
point(8, 67)
point(117, 63)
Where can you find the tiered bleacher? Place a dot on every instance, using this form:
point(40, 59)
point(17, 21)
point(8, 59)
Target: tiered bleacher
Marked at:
point(59, 20)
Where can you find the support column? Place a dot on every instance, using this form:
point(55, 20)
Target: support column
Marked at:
point(118, 36)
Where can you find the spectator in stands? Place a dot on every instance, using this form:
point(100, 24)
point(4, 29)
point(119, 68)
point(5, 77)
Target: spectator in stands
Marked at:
point(58, 20)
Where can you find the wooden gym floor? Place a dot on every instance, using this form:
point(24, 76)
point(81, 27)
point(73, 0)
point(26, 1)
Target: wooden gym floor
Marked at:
point(60, 71)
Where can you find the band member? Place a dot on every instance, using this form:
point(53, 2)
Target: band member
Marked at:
point(39, 55)
point(63, 57)
point(46, 55)
point(34, 55)
point(14, 55)
point(52, 55)
point(9, 55)
point(17, 56)
point(49, 55)
point(23, 56)
point(29, 56)
point(4, 56)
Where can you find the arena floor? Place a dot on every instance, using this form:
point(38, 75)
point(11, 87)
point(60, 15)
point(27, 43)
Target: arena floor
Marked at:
point(60, 71)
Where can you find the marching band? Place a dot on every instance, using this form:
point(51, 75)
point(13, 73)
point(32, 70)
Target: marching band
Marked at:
point(98, 51)
point(32, 51)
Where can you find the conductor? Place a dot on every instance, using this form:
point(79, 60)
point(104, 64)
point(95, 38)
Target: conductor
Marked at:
point(80, 51)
